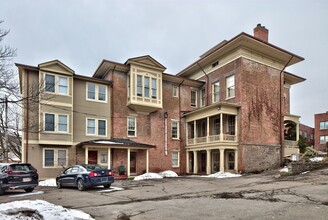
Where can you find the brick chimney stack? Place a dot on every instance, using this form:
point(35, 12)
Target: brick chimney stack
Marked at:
point(261, 33)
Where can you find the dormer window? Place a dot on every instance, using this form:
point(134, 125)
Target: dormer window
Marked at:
point(154, 88)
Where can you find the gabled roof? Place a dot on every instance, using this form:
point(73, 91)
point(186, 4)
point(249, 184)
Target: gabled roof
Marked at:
point(56, 65)
point(292, 79)
point(147, 61)
point(107, 65)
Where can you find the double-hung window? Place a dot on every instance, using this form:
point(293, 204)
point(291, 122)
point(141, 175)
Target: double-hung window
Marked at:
point(202, 97)
point(54, 158)
point(175, 129)
point(153, 88)
point(323, 139)
point(146, 86)
point(139, 85)
point(132, 128)
point(193, 98)
point(323, 125)
point(230, 85)
point(56, 84)
point(96, 127)
point(96, 92)
point(55, 122)
point(216, 92)
point(175, 158)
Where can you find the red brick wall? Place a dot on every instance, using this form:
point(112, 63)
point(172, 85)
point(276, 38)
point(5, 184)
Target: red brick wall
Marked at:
point(287, 99)
point(317, 132)
point(304, 129)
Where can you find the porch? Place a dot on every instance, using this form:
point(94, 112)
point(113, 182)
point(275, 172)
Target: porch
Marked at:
point(291, 134)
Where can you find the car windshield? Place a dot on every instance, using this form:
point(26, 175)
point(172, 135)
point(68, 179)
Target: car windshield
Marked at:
point(91, 167)
point(21, 167)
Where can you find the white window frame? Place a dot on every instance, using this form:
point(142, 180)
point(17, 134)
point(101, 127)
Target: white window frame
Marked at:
point(325, 139)
point(325, 125)
point(56, 84)
point(202, 92)
point(55, 150)
point(96, 127)
point(56, 123)
point(173, 121)
point(215, 94)
point(178, 159)
point(191, 104)
point(135, 126)
point(230, 86)
point(97, 86)
point(175, 91)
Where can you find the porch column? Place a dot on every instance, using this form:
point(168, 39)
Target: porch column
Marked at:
point(128, 170)
point(108, 158)
point(208, 162)
point(236, 160)
point(147, 161)
point(221, 160)
point(297, 131)
point(221, 127)
point(195, 162)
point(86, 155)
point(187, 164)
point(208, 130)
point(236, 128)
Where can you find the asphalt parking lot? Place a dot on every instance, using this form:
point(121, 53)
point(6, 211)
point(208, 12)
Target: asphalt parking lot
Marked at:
point(260, 196)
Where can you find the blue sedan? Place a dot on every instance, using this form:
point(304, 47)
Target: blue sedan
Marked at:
point(85, 176)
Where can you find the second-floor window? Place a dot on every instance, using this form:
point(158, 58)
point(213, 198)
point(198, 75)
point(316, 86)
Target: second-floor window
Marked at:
point(139, 85)
point(96, 127)
point(96, 92)
point(146, 87)
point(56, 84)
point(154, 88)
point(323, 139)
point(175, 129)
point(202, 97)
point(55, 122)
point(216, 92)
point(193, 98)
point(132, 128)
point(230, 86)
point(323, 125)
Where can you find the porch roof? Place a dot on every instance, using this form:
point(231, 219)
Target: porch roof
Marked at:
point(115, 142)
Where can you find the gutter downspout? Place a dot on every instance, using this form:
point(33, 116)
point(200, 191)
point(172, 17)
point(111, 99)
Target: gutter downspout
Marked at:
point(282, 151)
point(180, 126)
point(27, 115)
point(112, 104)
point(165, 133)
point(207, 84)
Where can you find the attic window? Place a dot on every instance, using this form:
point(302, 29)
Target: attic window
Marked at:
point(215, 64)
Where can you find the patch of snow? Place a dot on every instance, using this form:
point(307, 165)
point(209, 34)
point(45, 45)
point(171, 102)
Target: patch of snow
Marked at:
point(49, 211)
point(147, 176)
point(112, 188)
point(305, 172)
point(48, 182)
point(168, 173)
point(223, 175)
point(106, 142)
point(284, 170)
point(316, 159)
point(28, 194)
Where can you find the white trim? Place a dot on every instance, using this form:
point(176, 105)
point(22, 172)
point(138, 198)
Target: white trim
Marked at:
point(55, 157)
point(96, 93)
point(196, 92)
point(56, 125)
point(96, 127)
point(175, 87)
point(178, 152)
point(213, 91)
point(135, 126)
point(234, 87)
point(178, 129)
point(56, 84)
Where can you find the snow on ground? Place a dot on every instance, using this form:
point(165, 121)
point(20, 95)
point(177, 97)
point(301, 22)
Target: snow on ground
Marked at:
point(49, 211)
point(284, 170)
point(48, 182)
point(28, 194)
point(223, 175)
point(168, 173)
point(147, 176)
point(316, 159)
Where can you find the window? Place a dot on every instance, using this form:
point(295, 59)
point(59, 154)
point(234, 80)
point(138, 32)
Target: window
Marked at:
point(146, 86)
point(323, 139)
point(193, 98)
point(132, 127)
point(216, 126)
point(54, 158)
point(175, 91)
point(56, 84)
point(175, 129)
point(202, 97)
point(231, 124)
point(153, 88)
point(96, 127)
point(55, 122)
point(96, 92)
point(324, 125)
point(139, 85)
point(216, 91)
point(62, 85)
point(175, 158)
point(230, 83)
point(103, 156)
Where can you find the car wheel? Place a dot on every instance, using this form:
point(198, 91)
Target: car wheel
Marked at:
point(80, 185)
point(107, 185)
point(59, 185)
point(28, 190)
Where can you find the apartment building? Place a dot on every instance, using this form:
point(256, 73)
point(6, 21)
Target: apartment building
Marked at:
point(227, 111)
point(321, 131)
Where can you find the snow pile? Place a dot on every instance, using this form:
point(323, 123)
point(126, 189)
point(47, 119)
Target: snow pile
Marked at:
point(147, 176)
point(316, 159)
point(284, 170)
point(223, 175)
point(15, 210)
point(168, 173)
point(48, 182)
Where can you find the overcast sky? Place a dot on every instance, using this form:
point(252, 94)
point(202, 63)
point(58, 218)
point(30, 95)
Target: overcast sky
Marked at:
point(81, 33)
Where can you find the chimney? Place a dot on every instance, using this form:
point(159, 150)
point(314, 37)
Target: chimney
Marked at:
point(261, 33)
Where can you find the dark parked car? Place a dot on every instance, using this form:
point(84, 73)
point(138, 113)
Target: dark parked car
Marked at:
point(85, 176)
point(18, 176)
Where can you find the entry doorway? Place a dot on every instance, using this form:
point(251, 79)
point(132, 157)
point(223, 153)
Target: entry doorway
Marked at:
point(92, 157)
point(216, 161)
point(133, 162)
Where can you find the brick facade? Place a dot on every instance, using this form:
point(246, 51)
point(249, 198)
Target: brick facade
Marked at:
point(320, 132)
point(308, 133)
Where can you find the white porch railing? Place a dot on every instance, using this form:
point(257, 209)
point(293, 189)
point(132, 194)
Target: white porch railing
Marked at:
point(212, 139)
point(291, 144)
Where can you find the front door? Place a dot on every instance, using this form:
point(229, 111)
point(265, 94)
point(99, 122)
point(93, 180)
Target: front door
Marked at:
point(92, 157)
point(216, 161)
point(133, 162)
